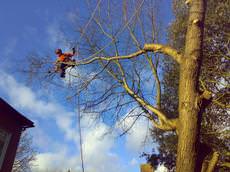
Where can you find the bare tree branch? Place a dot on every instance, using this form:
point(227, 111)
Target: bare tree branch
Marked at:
point(212, 163)
point(164, 49)
point(165, 123)
point(157, 48)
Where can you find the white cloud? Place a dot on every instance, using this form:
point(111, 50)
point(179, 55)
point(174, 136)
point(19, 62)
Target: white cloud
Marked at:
point(72, 16)
point(97, 147)
point(100, 154)
point(72, 76)
point(161, 168)
point(24, 98)
point(56, 37)
point(6, 53)
point(138, 137)
point(133, 162)
point(42, 139)
point(59, 161)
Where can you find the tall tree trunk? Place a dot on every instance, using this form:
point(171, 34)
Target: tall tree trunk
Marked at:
point(189, 109)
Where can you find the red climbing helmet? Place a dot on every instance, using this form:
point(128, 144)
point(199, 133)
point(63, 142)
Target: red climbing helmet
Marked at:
point(58, 51)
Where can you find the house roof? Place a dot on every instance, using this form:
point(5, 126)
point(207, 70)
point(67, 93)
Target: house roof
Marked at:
point(7, 108)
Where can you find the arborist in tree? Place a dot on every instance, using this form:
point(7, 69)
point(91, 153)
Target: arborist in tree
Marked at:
point(64, 60)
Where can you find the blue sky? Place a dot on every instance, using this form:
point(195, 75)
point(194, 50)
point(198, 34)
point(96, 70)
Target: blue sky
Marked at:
point(33, 26)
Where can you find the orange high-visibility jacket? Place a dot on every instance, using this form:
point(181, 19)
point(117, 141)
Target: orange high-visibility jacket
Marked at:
point(64, 57)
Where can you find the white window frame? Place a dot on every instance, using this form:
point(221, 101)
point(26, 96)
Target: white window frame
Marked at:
point(5, 146)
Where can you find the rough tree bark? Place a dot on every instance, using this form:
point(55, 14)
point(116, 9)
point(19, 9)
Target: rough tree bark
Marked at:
point(189, 98)
point(190, 107)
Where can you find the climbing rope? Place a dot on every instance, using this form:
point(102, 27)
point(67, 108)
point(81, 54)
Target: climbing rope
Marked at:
point(79, 129)
point(78, 95)
point(77, 50)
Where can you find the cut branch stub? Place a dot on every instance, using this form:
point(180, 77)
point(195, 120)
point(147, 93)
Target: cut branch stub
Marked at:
point(164, 49)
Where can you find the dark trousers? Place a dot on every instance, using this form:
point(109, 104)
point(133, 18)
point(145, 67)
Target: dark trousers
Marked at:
point(63, 67)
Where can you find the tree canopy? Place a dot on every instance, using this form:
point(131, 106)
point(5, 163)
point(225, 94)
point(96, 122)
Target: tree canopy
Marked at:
point(119, 69)
point(25, 155)
point(214, 77)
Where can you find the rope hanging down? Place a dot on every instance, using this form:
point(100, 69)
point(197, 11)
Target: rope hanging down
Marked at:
point(78, 101)
point(78, 95)
point(79, 129)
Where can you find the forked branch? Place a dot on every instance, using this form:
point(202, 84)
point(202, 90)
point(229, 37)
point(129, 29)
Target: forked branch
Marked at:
point(164, 123)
